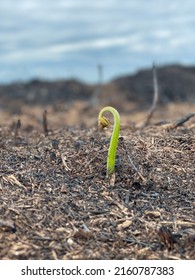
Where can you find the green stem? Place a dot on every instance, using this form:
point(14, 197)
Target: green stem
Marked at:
point(103, 122)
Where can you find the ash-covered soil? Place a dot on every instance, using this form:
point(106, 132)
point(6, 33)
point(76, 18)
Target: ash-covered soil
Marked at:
point(56, 202)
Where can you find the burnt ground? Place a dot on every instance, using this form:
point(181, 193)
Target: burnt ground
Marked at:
point(55, 199)
point(56, 202)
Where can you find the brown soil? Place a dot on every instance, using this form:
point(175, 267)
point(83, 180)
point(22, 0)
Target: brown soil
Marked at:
point(55, 199)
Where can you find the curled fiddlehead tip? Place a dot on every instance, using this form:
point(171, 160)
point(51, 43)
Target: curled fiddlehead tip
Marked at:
point(103, 122)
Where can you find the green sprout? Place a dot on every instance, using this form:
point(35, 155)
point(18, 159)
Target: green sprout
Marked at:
point(104, 122)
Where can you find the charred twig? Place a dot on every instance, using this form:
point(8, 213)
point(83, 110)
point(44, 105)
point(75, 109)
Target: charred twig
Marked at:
point(45, 127)
point(180, 122)
point(132, 164)
point(95, 99)
point(155, 98)
point(18, 126)
point(166, 237)
point(135, 168)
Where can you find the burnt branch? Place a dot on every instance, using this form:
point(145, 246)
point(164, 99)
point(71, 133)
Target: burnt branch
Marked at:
point(181, 121)
point(155, 98)
point(45, 124)
point(18, 126)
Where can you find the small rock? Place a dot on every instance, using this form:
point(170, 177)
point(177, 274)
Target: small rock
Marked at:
point(63, 189)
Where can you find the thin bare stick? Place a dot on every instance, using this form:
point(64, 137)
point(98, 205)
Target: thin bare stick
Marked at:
point(179, 122)
point(95, 99)
point(155, 98)
point(132, 164)
point(45, 128)
point(18, 126)
point(135, 168)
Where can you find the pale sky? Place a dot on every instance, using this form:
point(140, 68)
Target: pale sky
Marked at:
point(69, 38)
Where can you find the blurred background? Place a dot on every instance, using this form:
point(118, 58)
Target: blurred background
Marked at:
point(64, 39)
point(73, 57)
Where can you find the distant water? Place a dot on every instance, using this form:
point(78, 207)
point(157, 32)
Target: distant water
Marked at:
point(69, 38)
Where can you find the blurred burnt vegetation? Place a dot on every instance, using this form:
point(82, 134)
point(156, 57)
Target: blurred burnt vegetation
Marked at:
point(176, 84)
